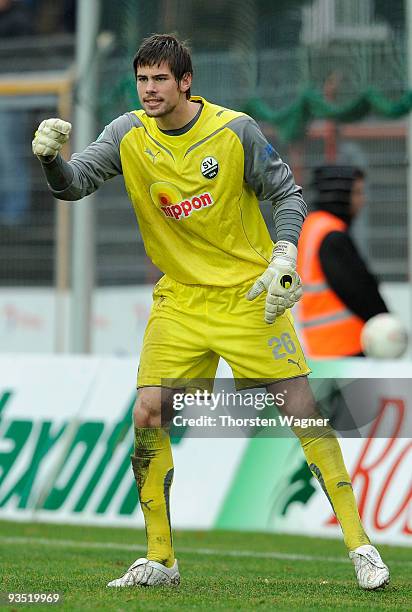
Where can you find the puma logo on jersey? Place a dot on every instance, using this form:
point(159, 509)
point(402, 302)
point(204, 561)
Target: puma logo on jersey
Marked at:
point(187, 207)
point(146, 503)
point(296, 363)
point(151, 154)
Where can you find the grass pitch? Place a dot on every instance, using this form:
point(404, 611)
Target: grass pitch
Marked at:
point(220, 571)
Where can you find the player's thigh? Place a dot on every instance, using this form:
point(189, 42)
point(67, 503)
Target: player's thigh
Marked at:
point(175, 347)
point(256, 350)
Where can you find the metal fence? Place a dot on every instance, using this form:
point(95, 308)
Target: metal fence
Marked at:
point(381, 229)
point(27, 244)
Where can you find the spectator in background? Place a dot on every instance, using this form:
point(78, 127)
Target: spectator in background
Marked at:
point(14, 172)
point(340, 293)
point(14, 19)
point(54, 16)
point(69, 15)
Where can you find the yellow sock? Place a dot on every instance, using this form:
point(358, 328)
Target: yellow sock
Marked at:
point(325, 460)
point(152, 464)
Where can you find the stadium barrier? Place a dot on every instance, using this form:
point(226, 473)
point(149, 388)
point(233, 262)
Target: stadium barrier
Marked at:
point(66, 437)
point(31, 321)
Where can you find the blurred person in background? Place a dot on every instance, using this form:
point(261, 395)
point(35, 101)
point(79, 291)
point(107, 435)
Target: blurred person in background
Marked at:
point(54, 17)
point(195, 172)
point(340, 293)
point(15, 21)
point(69, 15)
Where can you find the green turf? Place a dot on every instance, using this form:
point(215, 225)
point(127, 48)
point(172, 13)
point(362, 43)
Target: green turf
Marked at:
point(80, 569)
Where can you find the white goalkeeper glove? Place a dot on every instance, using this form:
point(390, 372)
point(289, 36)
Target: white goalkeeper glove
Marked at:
point(49, 138)
point(280, 280)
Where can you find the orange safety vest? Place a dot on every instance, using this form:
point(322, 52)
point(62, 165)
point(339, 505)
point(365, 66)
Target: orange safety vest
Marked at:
point(329, 328)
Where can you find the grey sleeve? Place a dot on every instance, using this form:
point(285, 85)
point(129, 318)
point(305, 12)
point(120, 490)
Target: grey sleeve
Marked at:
point(271, 179)
point(288, 224)
point(88, 170)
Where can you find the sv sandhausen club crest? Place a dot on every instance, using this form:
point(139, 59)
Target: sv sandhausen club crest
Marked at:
point(209, 167)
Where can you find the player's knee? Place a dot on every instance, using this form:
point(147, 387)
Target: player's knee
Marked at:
point(147, 408)
point(299, 400)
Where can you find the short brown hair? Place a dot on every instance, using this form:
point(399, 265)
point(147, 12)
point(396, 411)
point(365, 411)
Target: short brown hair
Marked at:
point(167, 48)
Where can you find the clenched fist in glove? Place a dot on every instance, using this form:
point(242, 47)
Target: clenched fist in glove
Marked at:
point(280, 280)
point(49, 138)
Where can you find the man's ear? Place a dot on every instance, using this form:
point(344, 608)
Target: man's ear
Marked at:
point(185, 82)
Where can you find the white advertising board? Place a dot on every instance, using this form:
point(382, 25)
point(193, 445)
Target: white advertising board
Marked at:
point(66, 437)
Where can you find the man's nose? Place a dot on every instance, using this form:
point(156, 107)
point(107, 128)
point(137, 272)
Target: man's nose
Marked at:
point(151, 85)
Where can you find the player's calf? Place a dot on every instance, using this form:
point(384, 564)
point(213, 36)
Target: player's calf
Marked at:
point(152, 464)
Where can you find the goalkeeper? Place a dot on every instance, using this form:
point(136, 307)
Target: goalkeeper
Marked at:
point(194, 172)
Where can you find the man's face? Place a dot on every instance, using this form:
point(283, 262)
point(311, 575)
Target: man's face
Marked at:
point(159, 93)
point(357, 196)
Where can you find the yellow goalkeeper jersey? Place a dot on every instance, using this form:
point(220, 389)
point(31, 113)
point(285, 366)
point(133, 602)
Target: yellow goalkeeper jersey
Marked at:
point(196, 194)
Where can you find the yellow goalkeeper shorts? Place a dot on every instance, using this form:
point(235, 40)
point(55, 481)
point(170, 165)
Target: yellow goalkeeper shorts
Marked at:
point(191, 326)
